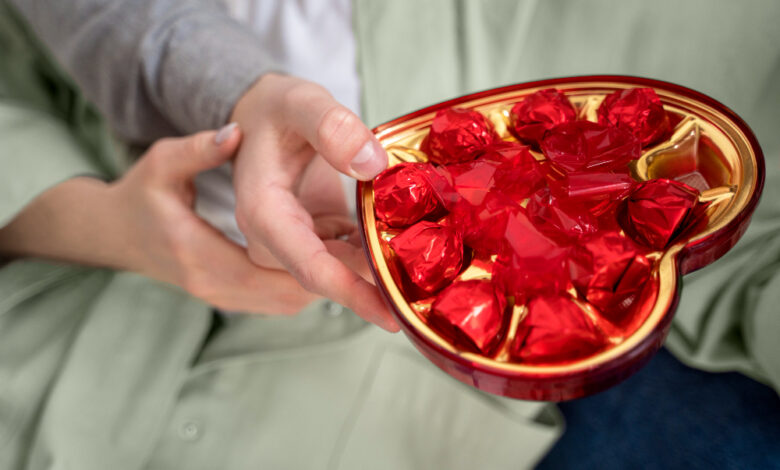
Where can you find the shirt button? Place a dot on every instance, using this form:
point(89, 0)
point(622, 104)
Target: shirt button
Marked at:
point(190, 431)
point(333, 309)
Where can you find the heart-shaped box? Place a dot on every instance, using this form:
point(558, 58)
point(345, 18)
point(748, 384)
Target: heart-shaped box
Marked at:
point(709, 145)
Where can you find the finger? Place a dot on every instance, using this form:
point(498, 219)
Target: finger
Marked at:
point(291, 238)
point(352, 256)
point(229, 280)
point(335, 132)
point(321, 190)
point(182, 158)
point(330, 227)
point(262, 257)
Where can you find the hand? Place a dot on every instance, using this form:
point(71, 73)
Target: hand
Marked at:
point(290, 205)
point(145, 222)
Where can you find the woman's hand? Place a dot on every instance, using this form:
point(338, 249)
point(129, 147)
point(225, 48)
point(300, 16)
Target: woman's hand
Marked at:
point(145, 222)
point(287, 192)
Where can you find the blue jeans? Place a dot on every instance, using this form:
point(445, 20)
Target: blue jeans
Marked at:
point(670, 416)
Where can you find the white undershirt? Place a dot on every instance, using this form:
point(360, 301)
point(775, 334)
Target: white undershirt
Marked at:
point(311, 39)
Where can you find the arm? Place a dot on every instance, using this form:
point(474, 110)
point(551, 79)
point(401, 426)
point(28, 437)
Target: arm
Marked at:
point(190, 64)
point(153, 67)
point(144, 222)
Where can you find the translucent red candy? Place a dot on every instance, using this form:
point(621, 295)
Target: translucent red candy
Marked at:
point(507, 167)
point(539, 112)
point(403, 194)
point(457, 135)
point(596, 193)
point(584, 145)
point(483, 225)
point(559, 218)
point(471, 312)
point(555, 329)
point(530, 262)
point(469, 181)
point(657, 211)
point(431, 254)
point(610, 271)
point(637, 109)
point(593, 186)
point(519, 173)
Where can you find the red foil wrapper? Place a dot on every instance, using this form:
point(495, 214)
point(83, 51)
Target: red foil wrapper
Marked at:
point(470, 312)
point(657, 211)
point(431, 254)
point(587, 146)
point(403, 194)
point(506, 167)
point(555, 330)
point(519, 173)
point(560, 219)
point(457, 135)
point(530, 261)
point(610, 271)
point(465, 182)
point(637, 109)
point(483, 225)
point(539, 112)
point(592, 186)
point(598, 193)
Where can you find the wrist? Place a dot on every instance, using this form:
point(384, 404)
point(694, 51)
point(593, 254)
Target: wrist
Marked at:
point(60, 224)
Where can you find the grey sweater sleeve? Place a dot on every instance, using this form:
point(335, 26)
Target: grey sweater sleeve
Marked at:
point(152, 67)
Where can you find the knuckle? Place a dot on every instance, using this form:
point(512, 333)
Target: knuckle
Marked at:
point(338, 125)
point(306, 278)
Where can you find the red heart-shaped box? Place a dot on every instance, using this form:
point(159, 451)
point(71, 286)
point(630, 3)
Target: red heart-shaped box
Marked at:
point(706, 146)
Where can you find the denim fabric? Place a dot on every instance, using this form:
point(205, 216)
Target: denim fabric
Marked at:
point(671, 416)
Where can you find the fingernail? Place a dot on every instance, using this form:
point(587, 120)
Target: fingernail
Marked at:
point(225, 133)
point(369, 161)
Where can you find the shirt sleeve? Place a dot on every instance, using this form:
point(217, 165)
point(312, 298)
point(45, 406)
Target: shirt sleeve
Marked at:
point(152, 67)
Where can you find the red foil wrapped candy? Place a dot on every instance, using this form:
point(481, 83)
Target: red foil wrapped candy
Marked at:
point(465, 182)
point(592, 186)
point(559, 218)
point(530, 262)
point(519, 173)
point(539, 112)
point(587, 146)
point(598, 192)
point(657, 211)
point(610, 271)
point(431, 254)
point(470, 312)
point(638, 110)
point(555, 329)
point(403, 194)
point(483, 225)
point(457, 135)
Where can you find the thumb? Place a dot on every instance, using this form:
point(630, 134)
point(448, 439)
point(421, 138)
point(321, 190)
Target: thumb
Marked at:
point(336, 133)
point(188, 156)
